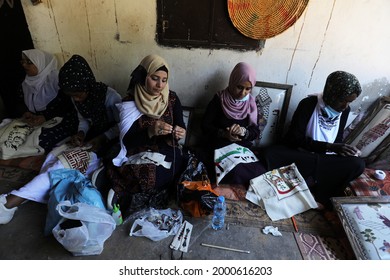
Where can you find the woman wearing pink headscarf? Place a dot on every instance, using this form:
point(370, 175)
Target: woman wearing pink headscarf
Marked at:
point(232, 117)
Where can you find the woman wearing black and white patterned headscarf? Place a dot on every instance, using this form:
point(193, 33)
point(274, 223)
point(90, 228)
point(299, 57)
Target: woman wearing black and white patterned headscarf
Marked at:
point(94, 101)
point(314, 140)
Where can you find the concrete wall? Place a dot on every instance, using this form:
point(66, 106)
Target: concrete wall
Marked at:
point(114, 35)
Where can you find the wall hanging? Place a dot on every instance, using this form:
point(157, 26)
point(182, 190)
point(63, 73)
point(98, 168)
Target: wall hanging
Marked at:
point(262, 19)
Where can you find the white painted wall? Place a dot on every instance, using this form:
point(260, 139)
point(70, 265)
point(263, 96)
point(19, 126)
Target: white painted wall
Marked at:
point(114, 35)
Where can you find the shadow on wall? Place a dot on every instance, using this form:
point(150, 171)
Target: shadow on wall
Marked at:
point(370, 93)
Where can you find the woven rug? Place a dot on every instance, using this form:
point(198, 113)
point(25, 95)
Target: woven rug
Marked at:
point(246, 213)
point(314, 247)
point(243, 212)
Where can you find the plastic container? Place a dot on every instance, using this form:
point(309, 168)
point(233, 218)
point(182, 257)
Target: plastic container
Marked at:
point(117, 215)
point(218, 219)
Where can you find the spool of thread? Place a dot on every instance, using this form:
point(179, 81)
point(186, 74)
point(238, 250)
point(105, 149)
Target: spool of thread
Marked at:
point(380, 174)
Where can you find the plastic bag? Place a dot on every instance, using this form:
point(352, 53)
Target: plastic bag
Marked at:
point(195, 194)
point(72, 185)
point(83, 229)
point(157, 224)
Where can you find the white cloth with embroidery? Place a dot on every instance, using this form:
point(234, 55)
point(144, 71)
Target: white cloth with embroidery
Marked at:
point(228, 157)
point(149, 158)
point(282, 192)
point(18, 139)
point(38, 188)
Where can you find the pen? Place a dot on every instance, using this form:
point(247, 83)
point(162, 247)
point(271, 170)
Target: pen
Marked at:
point(294, 223)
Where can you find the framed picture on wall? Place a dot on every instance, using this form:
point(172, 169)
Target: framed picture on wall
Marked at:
point(372, 131)
point(272, 101)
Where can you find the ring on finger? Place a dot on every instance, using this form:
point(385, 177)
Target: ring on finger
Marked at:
point(160, 131)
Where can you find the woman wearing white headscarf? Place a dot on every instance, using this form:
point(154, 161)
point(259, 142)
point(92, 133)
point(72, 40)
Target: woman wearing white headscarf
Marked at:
point(43, 100)
point(151, 126)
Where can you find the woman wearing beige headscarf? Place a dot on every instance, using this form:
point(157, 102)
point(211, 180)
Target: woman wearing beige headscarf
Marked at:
point(151, 126)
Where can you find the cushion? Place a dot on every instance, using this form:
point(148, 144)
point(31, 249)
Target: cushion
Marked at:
point(367, 185)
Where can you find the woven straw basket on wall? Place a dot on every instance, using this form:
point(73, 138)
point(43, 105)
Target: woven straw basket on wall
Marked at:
point(262, 19)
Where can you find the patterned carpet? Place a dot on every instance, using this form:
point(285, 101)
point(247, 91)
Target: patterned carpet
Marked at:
point(248, 214)
point(243, 212)
point(315, 247)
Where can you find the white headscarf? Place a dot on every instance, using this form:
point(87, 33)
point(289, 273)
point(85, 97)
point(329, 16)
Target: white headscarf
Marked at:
point(39, 90)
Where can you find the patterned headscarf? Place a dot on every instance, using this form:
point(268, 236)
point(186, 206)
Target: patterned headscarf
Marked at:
point(232, 108)
point(147, 103)
point(42, 88)
point(341, 84)
point(76, 75)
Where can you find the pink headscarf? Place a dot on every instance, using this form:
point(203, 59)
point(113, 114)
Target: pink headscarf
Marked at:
point(232, 108)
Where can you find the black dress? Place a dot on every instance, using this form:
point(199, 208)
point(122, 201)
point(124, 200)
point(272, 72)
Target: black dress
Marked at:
point(148, 185)
point(325, 174)
point(215, 120)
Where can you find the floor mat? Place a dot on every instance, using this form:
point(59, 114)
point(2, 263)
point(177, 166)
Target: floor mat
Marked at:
point(246, 213)
point(14, 177)
point(16, 174)
point(315, 247)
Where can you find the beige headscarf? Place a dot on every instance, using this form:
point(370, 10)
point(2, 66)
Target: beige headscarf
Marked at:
point(151, 105)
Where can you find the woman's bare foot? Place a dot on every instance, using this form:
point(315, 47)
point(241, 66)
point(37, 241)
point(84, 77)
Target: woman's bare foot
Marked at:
point(13, 201)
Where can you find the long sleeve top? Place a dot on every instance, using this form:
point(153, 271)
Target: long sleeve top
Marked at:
point(215, 121)
point(112, 98)
point(296, 134)
point(137, 135)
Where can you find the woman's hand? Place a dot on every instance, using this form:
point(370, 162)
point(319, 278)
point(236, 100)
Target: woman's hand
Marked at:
point(77, 140)
point(343, 149)
point(32, 119)
point(179, 132)
point(160, 128)
point(234, 132)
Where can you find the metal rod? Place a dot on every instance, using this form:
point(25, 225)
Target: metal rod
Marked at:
point(225, 248)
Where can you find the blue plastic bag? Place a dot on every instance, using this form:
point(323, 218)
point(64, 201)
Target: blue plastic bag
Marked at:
point(72, 185)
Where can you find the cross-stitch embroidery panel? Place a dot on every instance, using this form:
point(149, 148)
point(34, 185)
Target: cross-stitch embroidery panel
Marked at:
point(272, 103)
point(373, 130)
point(366, 221)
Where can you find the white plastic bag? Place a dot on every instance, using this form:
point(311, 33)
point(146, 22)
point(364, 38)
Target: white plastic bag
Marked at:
point(95, 226)
point(157, 224)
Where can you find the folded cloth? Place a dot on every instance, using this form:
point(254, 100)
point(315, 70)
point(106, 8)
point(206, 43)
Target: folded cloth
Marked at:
point(149, 157)
point(282, 192)
point(18, 139)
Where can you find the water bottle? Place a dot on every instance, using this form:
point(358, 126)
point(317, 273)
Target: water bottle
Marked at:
point(117, 215)
point(218, 219)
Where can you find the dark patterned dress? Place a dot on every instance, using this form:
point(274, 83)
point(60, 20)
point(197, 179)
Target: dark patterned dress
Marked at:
point(61, 106)
point(147, 185)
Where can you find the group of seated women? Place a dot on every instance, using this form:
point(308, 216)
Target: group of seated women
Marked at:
point(136, 137)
